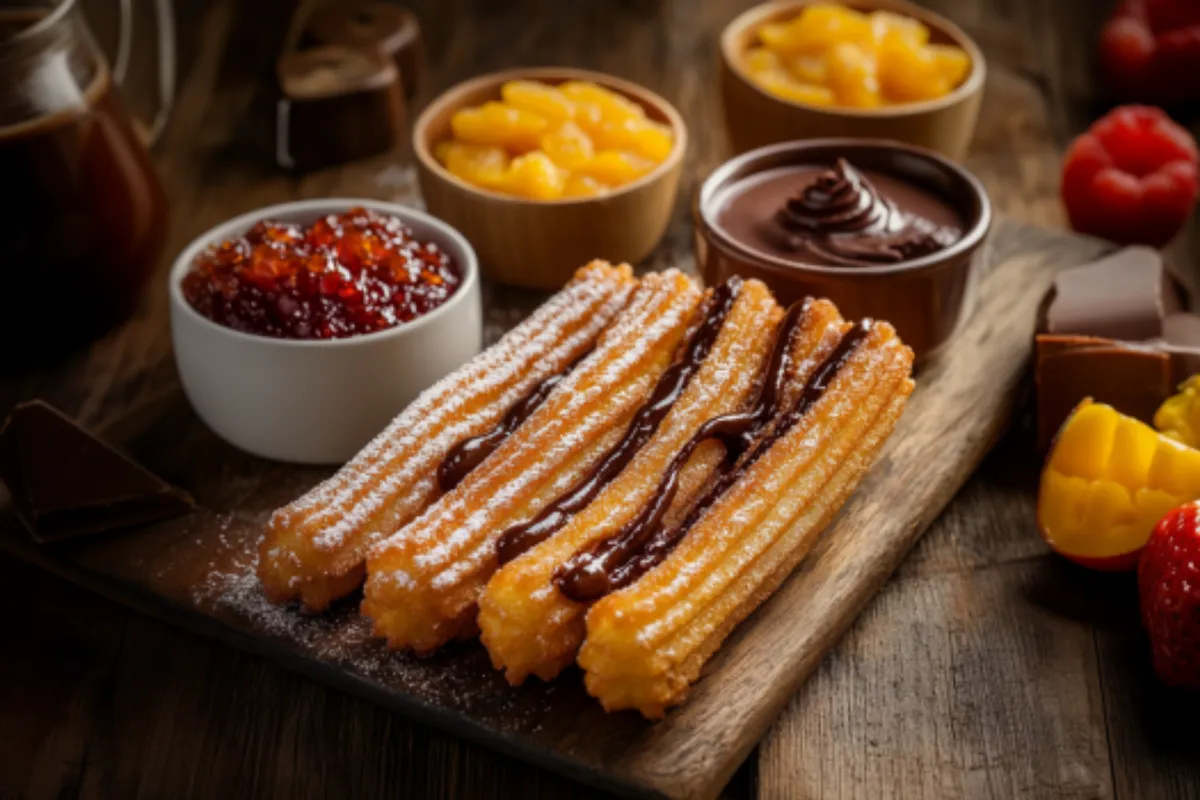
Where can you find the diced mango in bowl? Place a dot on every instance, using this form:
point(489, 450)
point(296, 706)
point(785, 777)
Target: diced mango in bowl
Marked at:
point(543, 142)
point(831, 55)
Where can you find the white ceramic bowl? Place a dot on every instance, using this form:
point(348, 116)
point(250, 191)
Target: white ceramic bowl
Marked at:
point(319, 402)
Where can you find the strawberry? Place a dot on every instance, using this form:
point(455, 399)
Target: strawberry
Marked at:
point(1150, 51)
point(1171, 15)
point(1131, 178)
point(1169, 584)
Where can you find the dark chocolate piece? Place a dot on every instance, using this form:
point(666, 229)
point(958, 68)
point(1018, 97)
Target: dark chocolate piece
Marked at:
point(338, 104)
point(645, 542)
point(519, 538)
point(1113, 330)
point(1134, 380)
point(1124, 296)
point(387, 28)
point(65, 482)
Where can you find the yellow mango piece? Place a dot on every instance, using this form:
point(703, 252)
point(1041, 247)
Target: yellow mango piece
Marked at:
point(643, 137)
point(568, 146)
point(908, 71)
point(535, 177)
point(852, 76)
point(615, 168)
point(1064, 516)
point(1176, 469)
point(1084, 442)
point(611, 107)
point(497, 124)
point(1107, 505)
point(817, 28)
point(783, 85)
point(1134, 446)
point(583, 186)
point(812, 69)
point(1179, 416)
point(952, 62)
point(540, 98)
point(482, 165)
point(885, 22)
point(1108, 481)
point(760, 59)
point(1152, 505)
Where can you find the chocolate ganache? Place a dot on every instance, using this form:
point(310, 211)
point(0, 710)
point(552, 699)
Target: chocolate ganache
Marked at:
point(838, 216)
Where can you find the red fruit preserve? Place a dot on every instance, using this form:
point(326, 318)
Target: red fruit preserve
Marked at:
point(343, 275)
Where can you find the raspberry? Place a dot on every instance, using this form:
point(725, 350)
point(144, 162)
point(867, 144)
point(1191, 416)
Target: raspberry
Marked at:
point(1131, 178)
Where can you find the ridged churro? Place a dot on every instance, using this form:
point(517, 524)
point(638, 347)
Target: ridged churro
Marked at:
point(528, 626)
point(647, 642)
point(315, 548)
point(423, 582)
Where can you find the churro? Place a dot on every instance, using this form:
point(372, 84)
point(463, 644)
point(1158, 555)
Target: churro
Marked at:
point(424, 581)
point(686, 587)
point(315, 548)
point(528, 626)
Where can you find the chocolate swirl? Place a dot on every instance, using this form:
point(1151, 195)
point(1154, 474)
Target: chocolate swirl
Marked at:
point(842, 219)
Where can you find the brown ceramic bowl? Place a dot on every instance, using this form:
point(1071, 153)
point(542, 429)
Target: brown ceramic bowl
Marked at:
point(925, 298)
point(541, 244)
point(754, 117)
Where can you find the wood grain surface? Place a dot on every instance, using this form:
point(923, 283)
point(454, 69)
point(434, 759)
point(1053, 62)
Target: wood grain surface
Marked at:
point(985, 668)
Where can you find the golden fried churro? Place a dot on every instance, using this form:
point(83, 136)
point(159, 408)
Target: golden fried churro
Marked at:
point(423, 582)
point(526, 624)
point(647, 642)
point(315, 548)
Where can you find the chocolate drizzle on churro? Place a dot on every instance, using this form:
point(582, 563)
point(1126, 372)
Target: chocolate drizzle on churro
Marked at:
point(519, 538)
point(644, 541)
point(470, 453)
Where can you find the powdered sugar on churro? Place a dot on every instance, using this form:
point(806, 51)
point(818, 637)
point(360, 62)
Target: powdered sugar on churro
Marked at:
point(447, 550)
point(455, 523)
point(394, 476)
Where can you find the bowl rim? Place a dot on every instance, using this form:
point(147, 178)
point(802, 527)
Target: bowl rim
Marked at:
point(970, 240)
point(758, 14)
point(449, 99)
point(319, 207)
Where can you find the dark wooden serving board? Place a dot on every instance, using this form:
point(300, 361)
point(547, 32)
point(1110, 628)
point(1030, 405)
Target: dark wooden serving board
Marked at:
point(198, 571)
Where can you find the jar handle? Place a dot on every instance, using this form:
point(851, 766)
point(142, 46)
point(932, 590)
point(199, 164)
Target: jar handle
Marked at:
point(165, 24)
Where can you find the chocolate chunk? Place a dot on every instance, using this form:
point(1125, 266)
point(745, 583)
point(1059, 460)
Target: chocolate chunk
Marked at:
point(1131, 378)
point(389, 29)
point(65, 482)
point(1124, 296)
point(1113, 330)
point(338, 104)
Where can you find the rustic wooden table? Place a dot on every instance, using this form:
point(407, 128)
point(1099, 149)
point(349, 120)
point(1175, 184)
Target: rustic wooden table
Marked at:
point(985, 668)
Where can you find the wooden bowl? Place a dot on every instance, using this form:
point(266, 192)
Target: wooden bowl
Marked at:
point(755, 118)
point(540, 244)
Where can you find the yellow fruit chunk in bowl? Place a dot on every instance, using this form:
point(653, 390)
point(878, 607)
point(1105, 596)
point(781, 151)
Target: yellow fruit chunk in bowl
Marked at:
point(548, 142)
point(584, 165)
point(500, 125)
point(827, 54)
